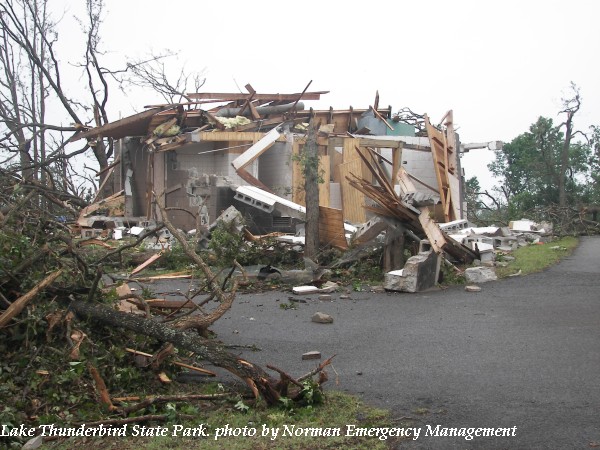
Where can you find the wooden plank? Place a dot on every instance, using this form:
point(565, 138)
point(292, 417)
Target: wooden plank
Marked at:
point(146, 263)
point(352, 199)
point(349, 149)
point(136, 125)
point(19, 304)
point(439, 152)
point(248, 178)
point(256, 150)
point(232, 136)
point(253, 112)
point(228, 97)
point(380, 117)
point(108, 202)
point(331, 227)
point(396, 158)
point(379, 143)
point(406, 184)
point(432, 231)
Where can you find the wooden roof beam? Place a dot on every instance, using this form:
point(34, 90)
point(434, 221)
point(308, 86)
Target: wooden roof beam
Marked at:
point(229, 97)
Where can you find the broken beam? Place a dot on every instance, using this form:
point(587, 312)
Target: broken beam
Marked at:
point(229, 97)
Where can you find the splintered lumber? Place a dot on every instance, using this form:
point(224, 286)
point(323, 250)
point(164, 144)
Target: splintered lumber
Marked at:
point(101, 388)
point(167, 276)
point(406, 184)
point(146, 263)
point(256, 150)
point(442, 154)
point(135, 125)
point(115, 200)
point(169, 304)
point(17, 306)
point(177, 363)
point(441, 242)
point(163, 378)
point(270, 97)
point(417, 221)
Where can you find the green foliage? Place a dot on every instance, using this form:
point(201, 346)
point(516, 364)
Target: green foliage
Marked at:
point(242, 407)
point(532, 167)
point(287, 306)
point(537, 257)
point(175, 258)
point(227, 244)
point(41, 378)
point(450, 276)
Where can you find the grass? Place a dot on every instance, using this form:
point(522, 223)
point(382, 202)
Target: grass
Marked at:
point(537, 257)
point(338, 411)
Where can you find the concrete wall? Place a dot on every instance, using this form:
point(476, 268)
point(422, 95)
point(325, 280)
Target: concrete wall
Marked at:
point(275, 169)
point(420, 164)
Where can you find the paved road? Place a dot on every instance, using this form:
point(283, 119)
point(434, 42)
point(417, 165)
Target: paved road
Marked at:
point(524, 352)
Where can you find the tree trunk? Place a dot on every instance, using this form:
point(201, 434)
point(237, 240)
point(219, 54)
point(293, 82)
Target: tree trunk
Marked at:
point(562, 195)
point(256, 378)
point(311, 187)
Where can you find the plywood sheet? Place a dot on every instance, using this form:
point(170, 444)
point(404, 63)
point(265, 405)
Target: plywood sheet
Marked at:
point(331, 228)
point(325, 175)
point(352, 199)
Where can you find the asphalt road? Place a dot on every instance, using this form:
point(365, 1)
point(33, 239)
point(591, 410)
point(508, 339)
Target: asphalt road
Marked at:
point(524, 352)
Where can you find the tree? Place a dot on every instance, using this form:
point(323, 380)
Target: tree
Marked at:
point(571, 106)
point(531, 167)
point(31, 79)
point(310, 168)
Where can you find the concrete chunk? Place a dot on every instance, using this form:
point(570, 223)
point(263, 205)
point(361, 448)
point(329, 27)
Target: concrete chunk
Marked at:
point(480, 274)
point(419, 273)
point(472, 288)
point(311, 355)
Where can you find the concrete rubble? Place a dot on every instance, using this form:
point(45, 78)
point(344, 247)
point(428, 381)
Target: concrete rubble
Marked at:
point(480, 274)
point(419, 273)
point(233, 158)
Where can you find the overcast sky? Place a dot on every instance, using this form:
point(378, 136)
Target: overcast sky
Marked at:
point(498, 65)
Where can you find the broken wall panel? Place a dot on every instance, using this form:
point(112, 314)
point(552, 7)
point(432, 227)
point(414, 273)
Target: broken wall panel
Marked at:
point(274, 169)
point(443, 156)
point(352, 200)
point(331, 228)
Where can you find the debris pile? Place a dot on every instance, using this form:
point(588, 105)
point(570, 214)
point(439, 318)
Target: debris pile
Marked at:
point(382, 176)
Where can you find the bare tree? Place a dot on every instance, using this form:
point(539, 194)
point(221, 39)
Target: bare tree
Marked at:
point(152, 73)
point(571, 106)
point(31, 78)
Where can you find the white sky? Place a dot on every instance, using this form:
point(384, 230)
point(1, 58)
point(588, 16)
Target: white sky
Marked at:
point(498, 65)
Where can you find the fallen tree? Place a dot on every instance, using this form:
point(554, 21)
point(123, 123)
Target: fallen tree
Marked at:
point(256, 378)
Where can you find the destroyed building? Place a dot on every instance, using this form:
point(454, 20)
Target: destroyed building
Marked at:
point(243, 151)
point(379, 170)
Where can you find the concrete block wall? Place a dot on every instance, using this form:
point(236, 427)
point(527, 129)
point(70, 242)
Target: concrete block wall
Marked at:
point(420, 165)
point(191, 157)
